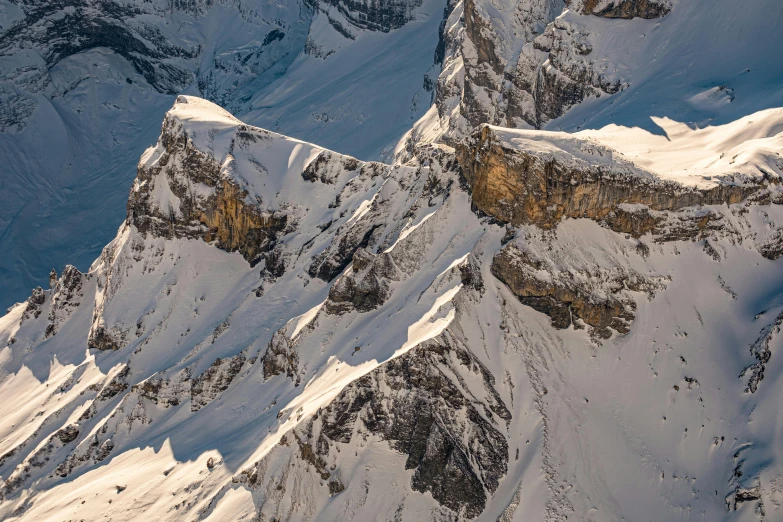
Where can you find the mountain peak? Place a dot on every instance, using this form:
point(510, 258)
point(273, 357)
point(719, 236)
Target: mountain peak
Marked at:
point(193, 112)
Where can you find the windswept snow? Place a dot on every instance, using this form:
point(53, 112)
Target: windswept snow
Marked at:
point(750, 147)
point(703, 64)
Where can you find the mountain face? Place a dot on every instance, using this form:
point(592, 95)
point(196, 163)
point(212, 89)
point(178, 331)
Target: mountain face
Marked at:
point(527, 326)
point(558, 297)
point(577, 64)
point(83, 85)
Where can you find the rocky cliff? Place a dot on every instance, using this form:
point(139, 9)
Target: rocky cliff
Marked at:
point(520, 178)
point(208, 203)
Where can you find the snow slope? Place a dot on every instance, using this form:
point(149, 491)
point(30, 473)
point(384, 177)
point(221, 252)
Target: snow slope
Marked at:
point(749, 146)
point(701, 64)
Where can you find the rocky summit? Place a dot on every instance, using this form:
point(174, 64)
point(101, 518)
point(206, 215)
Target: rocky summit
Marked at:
point(395, 260)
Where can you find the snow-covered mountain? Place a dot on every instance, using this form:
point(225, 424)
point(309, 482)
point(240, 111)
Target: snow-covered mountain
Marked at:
point(558, 299)
point(282, 332)
point(83, 85)
point(571, 65)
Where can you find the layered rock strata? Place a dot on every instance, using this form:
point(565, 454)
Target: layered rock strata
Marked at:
point(523, 184)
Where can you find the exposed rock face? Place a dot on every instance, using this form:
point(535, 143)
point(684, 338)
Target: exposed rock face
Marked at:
point(486, 96)
point(117, 385)
point(102, 339)
point(215, 380)
point(688, 226)
point(695, 224)
point(158, 390)
point(66, 297)
point(34, 304)
point(483, 68)
point(452, 438)
point(38, 459)
point(554, 72)
point(366, 287)
point(480, 34)
point(65, 32)
point(68, 434)
point(523, 64)
point(625, 8)
point(741, 495)
point(520, 70)
point(201, 390)
point(517, 180)
point(520, 186)
point(139, 32)
point(280, 357)
point(557, 68)
point(761, 352)
point(165, 391)
point(376, 16)
point(455, 450)
point(772, 248)
point(96, 451)
point(238, 226)
point(223, 215)
point(44, 446)
point(332, 261)
point(327, 167)
point(635, 220)
point(597, 296)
